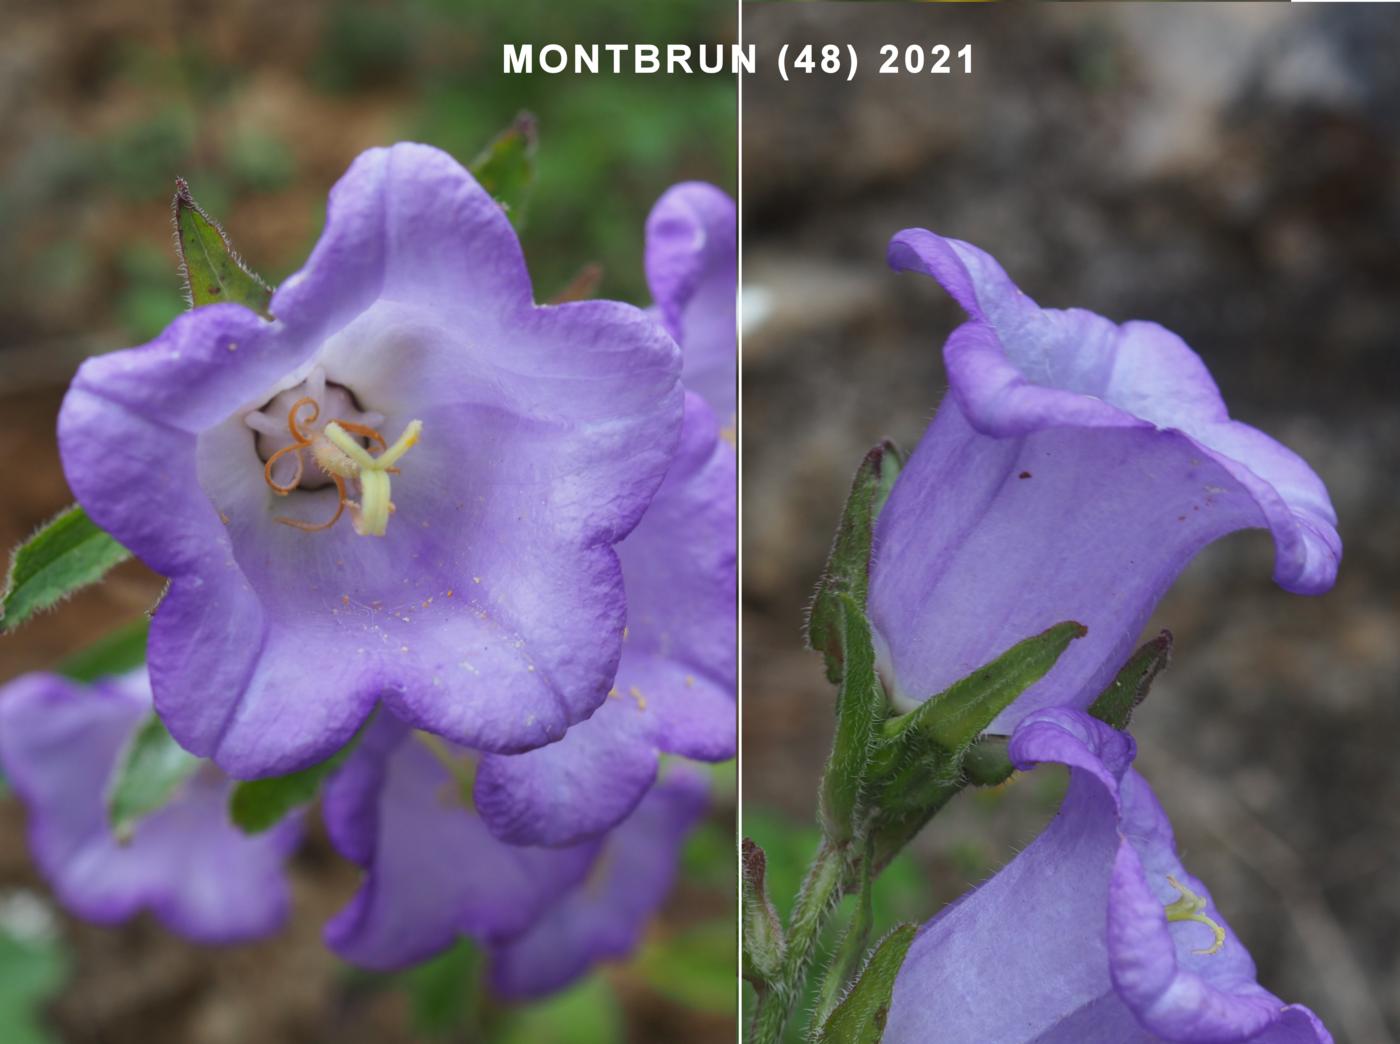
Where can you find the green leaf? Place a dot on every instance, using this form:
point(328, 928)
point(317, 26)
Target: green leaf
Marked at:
point(33, 969)
point(693, 968)
point(120, 651)
point(860, 708)
point(260, 804)
point(583, 1014)
point(962, 712)
point(860, 1017)
point(150, 769)
point(847, 569)
point(506, 167)
point(443, 993)
point(213, 271)
point(65, 554)
point(1117, 703)
point(763, 933)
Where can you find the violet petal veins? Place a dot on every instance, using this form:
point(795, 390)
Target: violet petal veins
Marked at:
point(489, 455)
point(1076, 940)
point(1073, 470)
point(187, 863)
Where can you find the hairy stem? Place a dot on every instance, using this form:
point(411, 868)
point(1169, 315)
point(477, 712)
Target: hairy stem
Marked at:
point(846, 962)
point(821, 891)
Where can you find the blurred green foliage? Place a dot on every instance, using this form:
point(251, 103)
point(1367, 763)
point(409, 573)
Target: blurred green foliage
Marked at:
point(265, 130)
point(33, 968)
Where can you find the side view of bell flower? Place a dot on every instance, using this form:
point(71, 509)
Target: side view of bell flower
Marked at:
point(201, 876)
point(1073, 470)
point(405, 488)
point(1094, 933)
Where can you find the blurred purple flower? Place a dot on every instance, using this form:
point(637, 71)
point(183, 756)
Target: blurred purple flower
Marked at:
point(675, 686)
point(432, 870)
point(692, 261)
point(1073, 470)
point(199, 874)
point(490, 609)
point(399, 808)
point(603, 917)
point(1095, 932)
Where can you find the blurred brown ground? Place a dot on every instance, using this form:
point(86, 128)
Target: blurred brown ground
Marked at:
point(263, 104)
point(1229, 171)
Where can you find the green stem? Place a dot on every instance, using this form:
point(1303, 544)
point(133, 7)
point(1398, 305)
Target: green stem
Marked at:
point(846, 962)
point(821, 891)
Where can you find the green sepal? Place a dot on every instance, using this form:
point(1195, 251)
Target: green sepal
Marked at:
point(860, 1017)
point(954, 718)
point(763, 945)
point(257, 805)
point(860, 708)
point(212, 270)
point(506, 167)
point(847, 569)
point(151, 768)
point(66, 553)
point(118, 652)
point(1117, 702)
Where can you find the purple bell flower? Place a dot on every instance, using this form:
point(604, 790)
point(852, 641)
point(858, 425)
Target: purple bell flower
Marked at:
point(406, 488)
point(1095, 933)
point(675, 687)
point(201, 876)
point(1074, 469)
point(602, 918)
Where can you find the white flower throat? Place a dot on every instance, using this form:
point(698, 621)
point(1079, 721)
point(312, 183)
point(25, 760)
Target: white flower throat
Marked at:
point(316, 435)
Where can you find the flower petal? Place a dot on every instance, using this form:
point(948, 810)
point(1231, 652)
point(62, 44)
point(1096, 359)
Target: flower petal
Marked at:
point(674, 690)
point(692, 269)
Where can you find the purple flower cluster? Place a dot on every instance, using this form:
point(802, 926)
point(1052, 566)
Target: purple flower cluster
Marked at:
point(506, 531)
point(1074, 469)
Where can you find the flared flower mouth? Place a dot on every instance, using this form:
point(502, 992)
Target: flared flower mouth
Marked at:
point(1015, 368)
point(498, 449)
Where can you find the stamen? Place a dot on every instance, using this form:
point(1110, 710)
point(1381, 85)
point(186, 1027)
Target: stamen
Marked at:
point(339, 454)
point(1191, 907)
point(365, 431)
